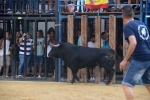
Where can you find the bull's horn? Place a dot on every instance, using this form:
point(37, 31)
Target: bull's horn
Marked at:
point(57, 45)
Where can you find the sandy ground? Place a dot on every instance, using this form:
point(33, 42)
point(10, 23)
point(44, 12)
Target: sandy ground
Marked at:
point(27, 90)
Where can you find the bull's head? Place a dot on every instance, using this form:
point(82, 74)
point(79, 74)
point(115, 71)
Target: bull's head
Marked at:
point(54, 50)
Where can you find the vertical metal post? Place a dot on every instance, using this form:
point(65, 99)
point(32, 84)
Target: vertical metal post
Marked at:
point(25, 61)
point(59, 37)
point(146, 8)
point(35, 49)
point(45, 67)
point(141, 10)
point(4, 60)
point(14, 43)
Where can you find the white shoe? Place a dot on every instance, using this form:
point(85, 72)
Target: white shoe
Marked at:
point(18, 12)
point(23, 12)
point(6, 75)
point(93, 79)
point(39, 76)
point(19, 76)
point(10, 12)
point(76, 11)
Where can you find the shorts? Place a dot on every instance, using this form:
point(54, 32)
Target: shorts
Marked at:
point(137, 73)
point(2, 60)
point(39, 60)
point(31, 61)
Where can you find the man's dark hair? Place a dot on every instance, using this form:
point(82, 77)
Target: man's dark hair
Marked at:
point(127, 11)
point(92, 36)
point(103, 33)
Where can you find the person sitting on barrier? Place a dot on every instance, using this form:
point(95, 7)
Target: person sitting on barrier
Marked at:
point(109, 9)
point(51, 10)
point(40, 51)
point(78, 5)
point(33, 6)
point(7, 53)
point(19, 6)
point(9, 6)
point(91, 44)
point(26, 44)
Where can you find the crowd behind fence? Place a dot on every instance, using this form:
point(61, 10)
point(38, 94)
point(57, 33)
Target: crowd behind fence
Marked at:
point(49, 6)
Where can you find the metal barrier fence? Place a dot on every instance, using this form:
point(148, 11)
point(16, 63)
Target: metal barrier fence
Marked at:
point(13, 67)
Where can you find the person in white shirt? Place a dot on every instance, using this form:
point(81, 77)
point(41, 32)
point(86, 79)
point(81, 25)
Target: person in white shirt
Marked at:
point(7, 53)
point(91, 44)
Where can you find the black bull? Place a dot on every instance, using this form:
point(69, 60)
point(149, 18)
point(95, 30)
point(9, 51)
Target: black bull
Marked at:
point(77, 57)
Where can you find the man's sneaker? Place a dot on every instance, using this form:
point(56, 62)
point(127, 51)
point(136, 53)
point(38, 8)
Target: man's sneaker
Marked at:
point(24, 12)
point(93, 79)
point(39, 76)
point(10, 12)
point(77, 11)
point(18, 12)
point(19, 76)
point(50, 12)
point(6, 75)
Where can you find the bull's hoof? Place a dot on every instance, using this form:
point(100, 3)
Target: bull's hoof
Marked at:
point(71, 81)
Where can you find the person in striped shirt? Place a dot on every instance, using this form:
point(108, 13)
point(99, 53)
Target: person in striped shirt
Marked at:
point(26, 44)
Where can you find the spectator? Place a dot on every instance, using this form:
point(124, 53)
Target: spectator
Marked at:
point(40, 51)
point(17, 45)
point(109, 8)
point(123, 2)
point(79, 44)
point(50, 60)
point(33, 6)
point(11, 50)
point(79, 38)
point(43, 6)
point(103, 36)
point(106, 46)
point(78, 5)
point(19, 7)
point(91, 44)
point(25, 39)
point(31, 61)
point(50, 11)
point(9, 6)
point(7, 53)
point(137, 7)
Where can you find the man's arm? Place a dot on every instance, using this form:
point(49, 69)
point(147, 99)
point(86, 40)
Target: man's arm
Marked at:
point(131, 47)
point(20, 39)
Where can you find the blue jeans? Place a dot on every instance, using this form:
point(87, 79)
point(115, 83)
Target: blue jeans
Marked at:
point(137, 73)
point(34, 4)
point(21, 58)
point(19, 7)
point(9, 4)
point(43, 6)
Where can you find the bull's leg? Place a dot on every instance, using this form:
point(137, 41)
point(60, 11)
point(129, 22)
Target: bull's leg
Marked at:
point(74, 73)
point(110, 72)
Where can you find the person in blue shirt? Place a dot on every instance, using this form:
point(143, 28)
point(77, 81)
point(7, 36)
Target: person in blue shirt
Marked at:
point(137, 35)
